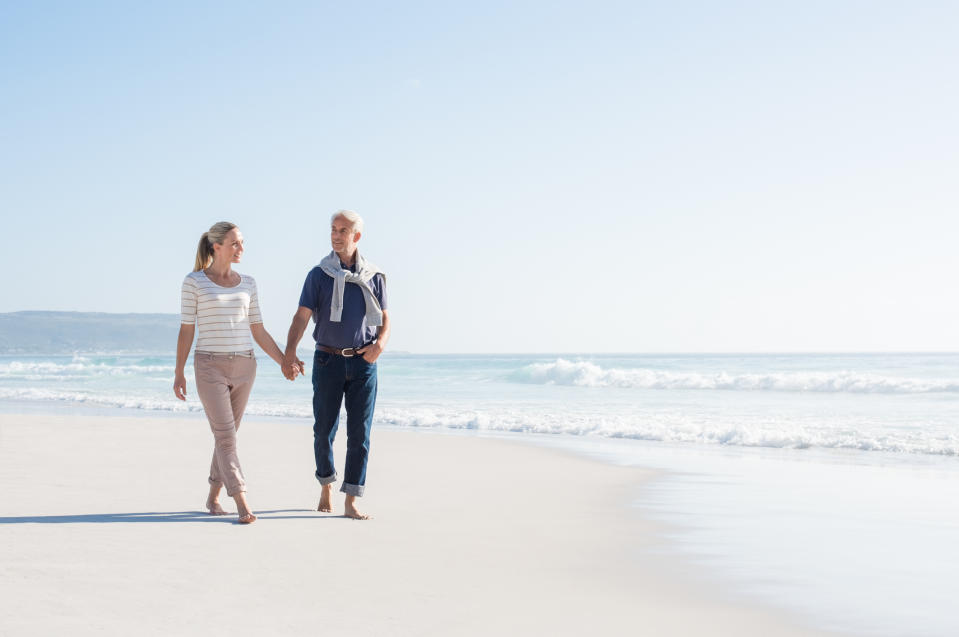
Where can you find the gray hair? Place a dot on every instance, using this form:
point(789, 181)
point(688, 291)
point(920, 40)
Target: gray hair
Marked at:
point(355, 219)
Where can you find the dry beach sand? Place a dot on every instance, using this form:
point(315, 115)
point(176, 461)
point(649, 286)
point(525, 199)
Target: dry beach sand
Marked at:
point(102, 532)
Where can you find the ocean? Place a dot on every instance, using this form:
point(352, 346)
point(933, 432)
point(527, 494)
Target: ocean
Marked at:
point(824, 484)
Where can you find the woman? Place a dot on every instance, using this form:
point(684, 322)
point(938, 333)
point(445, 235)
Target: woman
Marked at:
point(223, 304)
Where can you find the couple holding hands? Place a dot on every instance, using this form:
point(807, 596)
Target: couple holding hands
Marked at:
point(345, 295)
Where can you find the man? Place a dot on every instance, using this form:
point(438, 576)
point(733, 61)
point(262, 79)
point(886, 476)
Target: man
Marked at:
point(346, 297)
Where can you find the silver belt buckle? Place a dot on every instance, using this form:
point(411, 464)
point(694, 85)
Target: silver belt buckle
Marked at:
point(351, 350)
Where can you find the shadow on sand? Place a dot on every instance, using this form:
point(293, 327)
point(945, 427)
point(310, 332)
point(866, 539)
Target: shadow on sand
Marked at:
point(157, 516)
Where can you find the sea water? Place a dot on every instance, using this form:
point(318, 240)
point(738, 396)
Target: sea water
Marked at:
point(826, 485)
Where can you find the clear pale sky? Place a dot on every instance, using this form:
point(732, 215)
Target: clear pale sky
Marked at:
point(535, 176)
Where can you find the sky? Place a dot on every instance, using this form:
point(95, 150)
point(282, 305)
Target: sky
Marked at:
point(534, 176)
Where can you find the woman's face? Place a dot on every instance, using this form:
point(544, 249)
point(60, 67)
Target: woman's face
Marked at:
point(232, 247)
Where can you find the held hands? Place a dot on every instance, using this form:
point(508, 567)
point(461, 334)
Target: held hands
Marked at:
point(292, 366)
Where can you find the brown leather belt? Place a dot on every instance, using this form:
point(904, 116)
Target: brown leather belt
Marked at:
point(349, 352)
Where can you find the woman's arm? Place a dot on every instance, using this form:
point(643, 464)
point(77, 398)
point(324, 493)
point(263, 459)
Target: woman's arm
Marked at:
point(264, 340)
point(183, 343)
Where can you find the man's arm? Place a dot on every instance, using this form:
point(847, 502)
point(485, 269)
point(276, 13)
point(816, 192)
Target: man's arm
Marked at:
point(372, 351)
point(301, 320)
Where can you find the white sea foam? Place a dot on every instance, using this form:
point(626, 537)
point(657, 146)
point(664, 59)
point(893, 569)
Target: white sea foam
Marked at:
point(46, 370)
point(675, 429)
point(125, 401)
point(587, 374)
point(660, 427)
point(149, 403)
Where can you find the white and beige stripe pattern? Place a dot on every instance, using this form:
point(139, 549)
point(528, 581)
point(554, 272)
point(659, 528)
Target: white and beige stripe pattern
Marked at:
point(222, 315)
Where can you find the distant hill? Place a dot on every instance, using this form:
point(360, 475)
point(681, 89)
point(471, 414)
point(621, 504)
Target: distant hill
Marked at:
point(68, 332)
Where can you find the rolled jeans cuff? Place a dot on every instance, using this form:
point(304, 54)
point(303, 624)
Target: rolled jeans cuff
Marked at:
point(353, 489)
point(327, 480)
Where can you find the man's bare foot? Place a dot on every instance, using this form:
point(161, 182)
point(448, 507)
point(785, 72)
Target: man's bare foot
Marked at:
point(214, 508)
point(350, 510)
point(326, 499)
point(249, 518)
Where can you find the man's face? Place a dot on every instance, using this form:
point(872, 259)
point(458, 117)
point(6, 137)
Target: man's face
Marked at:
point(342, 236)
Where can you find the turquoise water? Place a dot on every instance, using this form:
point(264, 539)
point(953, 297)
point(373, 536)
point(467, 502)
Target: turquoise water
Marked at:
point(871, 403)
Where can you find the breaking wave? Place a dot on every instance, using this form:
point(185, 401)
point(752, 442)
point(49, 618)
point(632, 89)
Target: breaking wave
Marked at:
point(82, 368)
point(586, 374)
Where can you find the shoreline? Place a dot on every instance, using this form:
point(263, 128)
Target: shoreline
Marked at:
point(103, 528)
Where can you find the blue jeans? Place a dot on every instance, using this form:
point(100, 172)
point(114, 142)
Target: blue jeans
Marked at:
point(336, 377)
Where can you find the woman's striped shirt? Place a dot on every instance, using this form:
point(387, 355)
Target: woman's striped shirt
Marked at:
point(222, 315)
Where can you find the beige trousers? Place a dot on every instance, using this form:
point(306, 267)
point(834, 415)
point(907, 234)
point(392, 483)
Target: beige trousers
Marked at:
point(223, 383)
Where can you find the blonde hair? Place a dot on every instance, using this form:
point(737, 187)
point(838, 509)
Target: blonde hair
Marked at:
point(204, 250)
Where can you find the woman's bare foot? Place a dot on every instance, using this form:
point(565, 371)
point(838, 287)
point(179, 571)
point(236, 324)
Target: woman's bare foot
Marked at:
point(214, 508)
point(246, 514)
point(350, 510)
point(213, 501)
point(326, 499)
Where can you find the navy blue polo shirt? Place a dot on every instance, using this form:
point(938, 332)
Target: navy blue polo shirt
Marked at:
point(352, 330)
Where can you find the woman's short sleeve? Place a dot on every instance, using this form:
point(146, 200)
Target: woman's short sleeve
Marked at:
point(188, 294)
point(254, 304)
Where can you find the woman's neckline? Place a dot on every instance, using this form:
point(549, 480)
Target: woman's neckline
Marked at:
point(225, 287)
